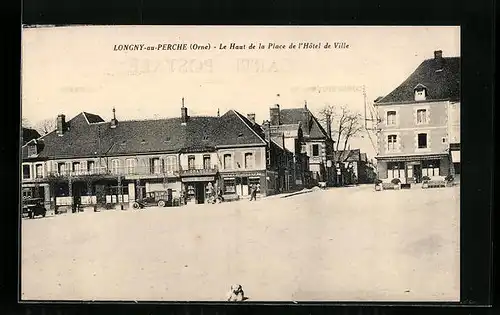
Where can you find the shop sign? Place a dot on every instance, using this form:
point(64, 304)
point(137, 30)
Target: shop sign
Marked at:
point(198, 179)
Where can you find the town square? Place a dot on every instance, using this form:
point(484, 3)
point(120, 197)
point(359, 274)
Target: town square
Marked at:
point(301, 248)
point(316, 174)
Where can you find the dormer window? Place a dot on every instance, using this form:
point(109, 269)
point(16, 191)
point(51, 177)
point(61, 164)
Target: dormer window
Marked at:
point(420, 92)
point(32, 149)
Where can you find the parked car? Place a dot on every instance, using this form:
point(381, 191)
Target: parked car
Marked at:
point(160, 198)
point(33, 207)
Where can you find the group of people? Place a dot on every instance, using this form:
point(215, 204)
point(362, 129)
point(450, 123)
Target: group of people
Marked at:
point(214, 193)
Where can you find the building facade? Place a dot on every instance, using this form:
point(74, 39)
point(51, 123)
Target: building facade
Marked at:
point(301, 128)
point(88, 161)
point(416, 127)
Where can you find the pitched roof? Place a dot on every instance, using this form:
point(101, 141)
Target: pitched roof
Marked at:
point(85, 138)
point(234, 128)
point(29, 134)
point(297, 115)
point(348, 155)
point(440, 84)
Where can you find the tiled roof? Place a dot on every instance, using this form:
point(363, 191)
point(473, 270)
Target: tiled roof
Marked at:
point(84, 139)
point(234, 128)
point(296, 115)
point(29, 134)
point(441, 84)
point(348, 155)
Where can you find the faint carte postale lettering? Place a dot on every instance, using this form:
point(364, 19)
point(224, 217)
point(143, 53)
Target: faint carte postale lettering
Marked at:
point(76, 89)
point(140, 66)
point(256, 65)
point(328, 88)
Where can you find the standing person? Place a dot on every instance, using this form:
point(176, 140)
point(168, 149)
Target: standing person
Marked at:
point(210, 189)
point(253, 194)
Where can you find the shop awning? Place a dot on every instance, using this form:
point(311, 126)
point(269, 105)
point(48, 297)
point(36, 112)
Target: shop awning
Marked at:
point(455, 156)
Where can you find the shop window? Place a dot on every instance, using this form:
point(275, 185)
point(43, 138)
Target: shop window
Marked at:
point(395, 170)
point(430, 168)
point(422, 140)
point(229, 186)
point(26, 172)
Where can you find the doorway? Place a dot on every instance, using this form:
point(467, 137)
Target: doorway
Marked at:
point(417, 172)
point(200, 192)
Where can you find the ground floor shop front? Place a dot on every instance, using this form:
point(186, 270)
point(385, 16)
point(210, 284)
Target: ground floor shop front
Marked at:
point(412, 169)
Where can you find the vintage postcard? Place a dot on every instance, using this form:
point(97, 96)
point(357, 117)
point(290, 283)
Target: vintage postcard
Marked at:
point(245, 164)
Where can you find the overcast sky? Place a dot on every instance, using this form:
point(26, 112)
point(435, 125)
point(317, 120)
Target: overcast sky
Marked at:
point(73, 69)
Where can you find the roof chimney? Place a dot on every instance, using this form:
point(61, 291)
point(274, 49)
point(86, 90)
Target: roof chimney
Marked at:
point(251, 117)
point(184, 113)
point(329, 125)
point(114, 122)
point(438, 57)
point(306, 119)
point(61, 124)
point(305, 104)
point(274, 115)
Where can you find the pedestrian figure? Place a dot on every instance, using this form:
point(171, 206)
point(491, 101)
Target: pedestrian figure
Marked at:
point(253, 192)
point(210, 193)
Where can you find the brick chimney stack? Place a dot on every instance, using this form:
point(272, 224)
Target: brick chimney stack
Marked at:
point(438, 57)
point(184, 113)
point(61, 124)
point(274, 113)
point(329, 125)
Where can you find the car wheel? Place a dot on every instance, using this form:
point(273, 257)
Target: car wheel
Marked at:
point(136, 205)
point(161, 203)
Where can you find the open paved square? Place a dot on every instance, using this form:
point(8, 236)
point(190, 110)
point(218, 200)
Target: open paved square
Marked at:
point(338, 244)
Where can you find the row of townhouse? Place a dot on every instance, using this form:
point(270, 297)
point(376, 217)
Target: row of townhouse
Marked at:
point(88, 161)
point(419, 129)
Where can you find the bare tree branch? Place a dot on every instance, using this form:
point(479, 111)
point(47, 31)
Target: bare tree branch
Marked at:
point(25, 123)
point(346, 124)
point(45, 126)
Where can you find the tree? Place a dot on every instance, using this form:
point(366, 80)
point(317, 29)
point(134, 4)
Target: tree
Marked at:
point(25, 123)
point(345, 124)
point(45, 126)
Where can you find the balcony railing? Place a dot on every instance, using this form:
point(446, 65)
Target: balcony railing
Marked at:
point(199, 170)
point(118, 171)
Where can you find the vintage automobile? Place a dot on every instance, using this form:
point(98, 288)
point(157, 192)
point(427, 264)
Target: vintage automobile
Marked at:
point(33, 207)
point(160, 198)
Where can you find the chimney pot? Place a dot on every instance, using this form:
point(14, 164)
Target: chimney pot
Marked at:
point(438, 54)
